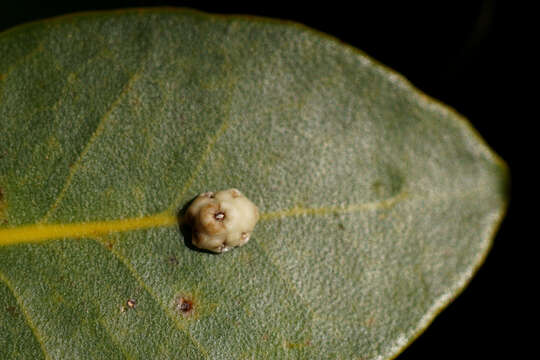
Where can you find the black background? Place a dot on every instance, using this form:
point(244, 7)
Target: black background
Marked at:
point(460, 53)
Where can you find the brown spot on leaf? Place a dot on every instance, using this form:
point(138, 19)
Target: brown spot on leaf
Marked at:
point(378, 187)
point(131, 303)
point(172, 260)
point(12, 310)
point(184, 305)
point(107, 241)
point(3, 206)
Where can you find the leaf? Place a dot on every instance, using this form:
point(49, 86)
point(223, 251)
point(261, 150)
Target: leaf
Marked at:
point(378, 203)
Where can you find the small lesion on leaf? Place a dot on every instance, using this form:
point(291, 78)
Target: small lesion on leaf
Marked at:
point(184, 305)
point(190, 305)
point(378, 187)
point(388, 184)
point(172, 260)
point(12, 310)
point(130, 304)
point(107, 240)
point(3, 208)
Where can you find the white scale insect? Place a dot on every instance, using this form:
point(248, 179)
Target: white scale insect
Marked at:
point(221, 220)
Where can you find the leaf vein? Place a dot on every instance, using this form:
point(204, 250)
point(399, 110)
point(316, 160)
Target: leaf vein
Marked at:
point(27, 318)
point(327, 210)
point(312, 314)
point(125, 354)
point(39, 48)
point(204, 158)
point(99, 130)
point(154, 296)
point(38, 232)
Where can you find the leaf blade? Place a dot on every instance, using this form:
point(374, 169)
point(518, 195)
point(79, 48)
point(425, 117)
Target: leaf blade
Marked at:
point(324, 140)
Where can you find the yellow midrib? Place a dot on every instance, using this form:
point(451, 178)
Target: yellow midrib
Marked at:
point(41, 232)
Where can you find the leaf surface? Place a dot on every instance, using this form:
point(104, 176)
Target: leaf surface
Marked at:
point(378, 203)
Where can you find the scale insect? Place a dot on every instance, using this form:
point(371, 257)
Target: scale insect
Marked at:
point(222, 220)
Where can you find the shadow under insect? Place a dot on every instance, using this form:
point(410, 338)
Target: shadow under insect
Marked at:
point(186, 228)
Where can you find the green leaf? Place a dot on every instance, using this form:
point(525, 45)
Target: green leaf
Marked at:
point(378, 203)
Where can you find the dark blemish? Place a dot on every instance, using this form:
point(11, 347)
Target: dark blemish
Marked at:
point(12, 310)
point(378, 188)
point(341, 226)
point(184, 305)
point(3, 219)
point(131, 303)
point(390, 181)
point(172, 260)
